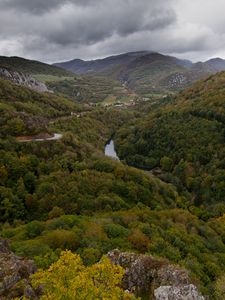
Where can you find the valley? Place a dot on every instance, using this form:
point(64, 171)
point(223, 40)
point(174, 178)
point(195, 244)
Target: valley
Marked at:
point(125, 154)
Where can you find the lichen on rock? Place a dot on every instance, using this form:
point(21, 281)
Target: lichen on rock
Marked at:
point(180, 292)
point(145, 274)
point(23, 79)
point(14, 274)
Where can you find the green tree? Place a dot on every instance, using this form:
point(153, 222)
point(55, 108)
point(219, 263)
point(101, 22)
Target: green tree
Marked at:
point(166, 163)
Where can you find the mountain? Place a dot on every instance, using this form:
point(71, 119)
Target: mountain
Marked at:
point(146, 72)
point(42, 77)
point(79, 66)
point(31, 67)
point(216, 64)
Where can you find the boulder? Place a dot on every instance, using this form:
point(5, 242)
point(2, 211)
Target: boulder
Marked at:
point(14, 274)
point(181, 292)
point(157, 278)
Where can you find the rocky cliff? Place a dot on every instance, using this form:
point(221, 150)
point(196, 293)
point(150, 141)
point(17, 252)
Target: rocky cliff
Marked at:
point(14, 274)
point(23, 79)
point(144, 275)
point(156, 278)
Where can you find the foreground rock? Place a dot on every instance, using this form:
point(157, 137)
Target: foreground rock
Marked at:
point(14, 274)
point(184, 292)
point(147, 275)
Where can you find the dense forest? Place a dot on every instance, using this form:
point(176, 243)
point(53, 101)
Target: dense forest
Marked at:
point(183, 142)
point(65, 194)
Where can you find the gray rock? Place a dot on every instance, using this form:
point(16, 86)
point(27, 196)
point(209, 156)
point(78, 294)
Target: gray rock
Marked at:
point(24, 80)
point(14, 274)
point(182, 292)
point(145, 274)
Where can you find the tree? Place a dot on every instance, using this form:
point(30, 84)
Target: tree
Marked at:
point(69, 279)
point(220, 287)
point(166, 163)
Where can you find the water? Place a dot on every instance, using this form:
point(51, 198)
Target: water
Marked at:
point(110, 150)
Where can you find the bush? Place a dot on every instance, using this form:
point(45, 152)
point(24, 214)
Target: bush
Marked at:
point(35, 228)
point(116, 230)
point(55, 212)
point(139, 240)
point(63, 239)
point(90, 256)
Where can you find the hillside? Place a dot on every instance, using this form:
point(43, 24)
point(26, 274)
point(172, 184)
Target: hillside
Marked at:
point(24, 111)
point(184, 143)
point(42, 77)
point(23, 80)
point(147, 72)
point(65, 194)
point(31, 66)
point(80, 66)
point(92, 89)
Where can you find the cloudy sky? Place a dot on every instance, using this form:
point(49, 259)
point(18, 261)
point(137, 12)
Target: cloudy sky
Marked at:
point(57, 30)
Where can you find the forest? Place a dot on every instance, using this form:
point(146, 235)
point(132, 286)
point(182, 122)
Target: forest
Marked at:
point(165, 197)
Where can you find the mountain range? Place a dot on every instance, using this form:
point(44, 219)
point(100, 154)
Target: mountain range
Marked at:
point(143, 73)
point(146, 72)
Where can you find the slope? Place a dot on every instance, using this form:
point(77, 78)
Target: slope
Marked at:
point(184, 143)
point(66, 195)
point(31, 66)
point(146, 72)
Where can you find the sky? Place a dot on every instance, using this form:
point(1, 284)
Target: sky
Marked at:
point(60, 30)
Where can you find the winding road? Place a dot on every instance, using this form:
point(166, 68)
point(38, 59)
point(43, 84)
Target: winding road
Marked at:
point(55, 137)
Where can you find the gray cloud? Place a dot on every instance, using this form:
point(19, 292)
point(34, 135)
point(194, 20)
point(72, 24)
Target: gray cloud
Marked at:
point(52, 30)
point(33, 7)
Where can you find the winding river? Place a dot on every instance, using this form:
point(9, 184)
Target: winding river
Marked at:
point(110, 150)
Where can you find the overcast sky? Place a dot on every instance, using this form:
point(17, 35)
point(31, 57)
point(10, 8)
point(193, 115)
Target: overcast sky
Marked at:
point(58, 30)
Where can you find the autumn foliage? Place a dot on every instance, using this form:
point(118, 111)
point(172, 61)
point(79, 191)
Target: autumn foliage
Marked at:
point(69, 279)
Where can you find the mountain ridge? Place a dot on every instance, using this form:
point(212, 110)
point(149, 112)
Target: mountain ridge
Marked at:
point(146, 72)
point(213, 62)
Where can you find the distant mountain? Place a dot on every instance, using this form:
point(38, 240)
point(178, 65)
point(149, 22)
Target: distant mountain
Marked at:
point(80, 66)
point(30, 73)
point(42, 77)
point(216, 64)
point(32, 67)
point(145, 71)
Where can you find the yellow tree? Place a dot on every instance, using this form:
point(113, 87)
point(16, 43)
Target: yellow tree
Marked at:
point(69, 279)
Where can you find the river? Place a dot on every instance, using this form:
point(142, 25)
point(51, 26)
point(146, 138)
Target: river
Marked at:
point(110, 150)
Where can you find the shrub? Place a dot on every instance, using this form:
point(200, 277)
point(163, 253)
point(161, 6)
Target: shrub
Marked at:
point(63, 239)
point(139, 240)
point(116, 230)
point(55, 212)
point(34, 228)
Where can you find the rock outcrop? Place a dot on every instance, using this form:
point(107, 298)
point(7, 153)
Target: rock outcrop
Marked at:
point(144, 275)
point(14, 274)
point(23, 79)
point(183, 292)
point(155, 277)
